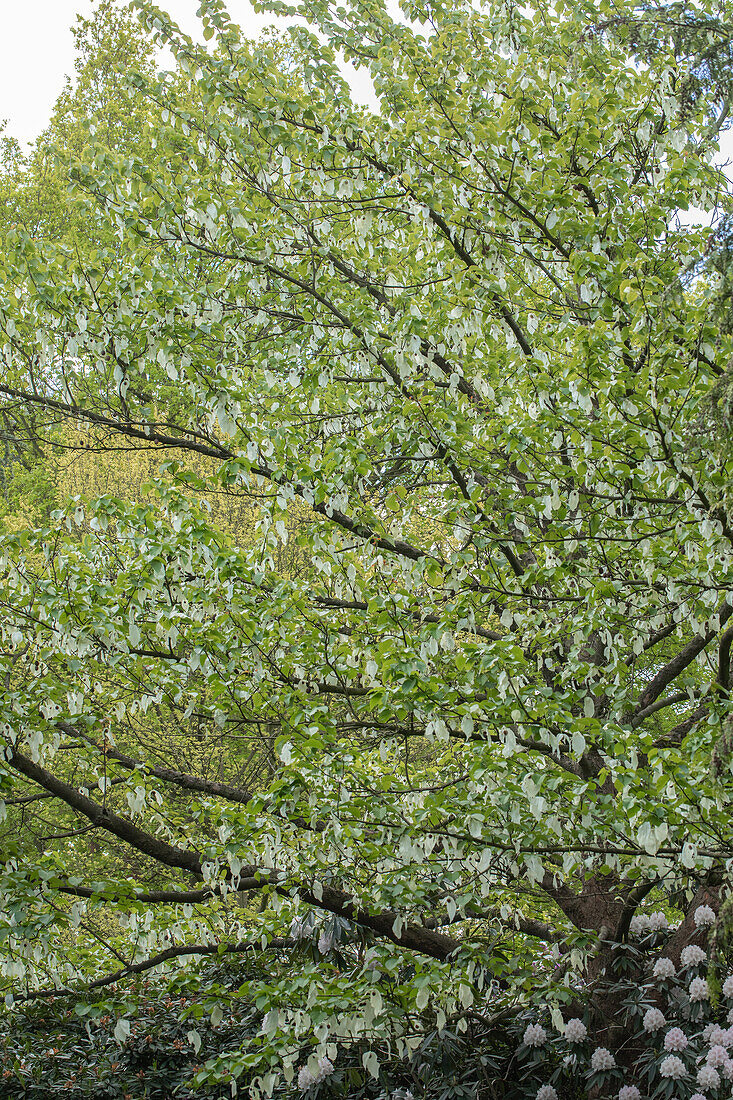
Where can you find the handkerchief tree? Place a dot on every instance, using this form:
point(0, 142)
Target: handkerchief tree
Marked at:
point(459, 357)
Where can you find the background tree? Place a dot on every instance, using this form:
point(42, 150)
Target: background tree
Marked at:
point(459, 342)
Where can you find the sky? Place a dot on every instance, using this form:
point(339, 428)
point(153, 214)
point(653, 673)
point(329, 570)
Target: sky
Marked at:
point(37, 52)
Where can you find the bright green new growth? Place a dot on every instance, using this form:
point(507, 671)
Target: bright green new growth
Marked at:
point(463, 353)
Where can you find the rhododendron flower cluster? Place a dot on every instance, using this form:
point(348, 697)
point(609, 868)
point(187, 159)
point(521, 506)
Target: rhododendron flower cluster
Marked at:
point(653, 1019)
point(601, 1059)
point(699, 990)
point(675, 1039)
point(708, 1077)
point(664, 968)
point(629, 1092)
point(673, 1067)
point(534, 1036)
point(717, 1056)
point(692, 955)
point(575, 1031)
point(704, 916)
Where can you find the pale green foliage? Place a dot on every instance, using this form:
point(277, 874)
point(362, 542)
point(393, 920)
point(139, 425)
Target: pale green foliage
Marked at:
point(462, 332)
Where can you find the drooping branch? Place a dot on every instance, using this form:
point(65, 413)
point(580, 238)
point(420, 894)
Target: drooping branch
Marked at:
point(101, 816)
point(389, 925)
point(276, 944)
point(169, 775)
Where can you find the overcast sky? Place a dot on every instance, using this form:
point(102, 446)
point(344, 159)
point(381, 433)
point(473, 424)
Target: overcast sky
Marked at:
point(37, 51)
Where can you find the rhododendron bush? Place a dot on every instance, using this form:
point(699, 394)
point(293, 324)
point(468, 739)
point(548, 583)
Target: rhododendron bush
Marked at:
point(436, 740)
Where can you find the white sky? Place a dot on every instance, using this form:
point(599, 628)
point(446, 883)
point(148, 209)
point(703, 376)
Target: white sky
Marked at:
point(37, 51)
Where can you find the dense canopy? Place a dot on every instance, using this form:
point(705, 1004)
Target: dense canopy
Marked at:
point(393, 653)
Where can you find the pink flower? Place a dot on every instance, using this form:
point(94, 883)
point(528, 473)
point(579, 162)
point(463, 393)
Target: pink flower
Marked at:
point(699, 990)
point(653, 1019)
point(664, 968)
point(675, 1039)
point(575, 1031)
point(673, 1067)
point(601, 1059)
point(717, 1056)
point(629, 1092)
point(692, 955)
point(708, 1078)
point(704, 916)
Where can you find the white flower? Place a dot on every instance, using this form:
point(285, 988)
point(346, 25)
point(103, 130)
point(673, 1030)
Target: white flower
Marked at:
point(727, 1068)
point(726, 1037)
point(305, 1078)
point(704, 916)
point(658, 922)
point(729, 1016)
point(575, 1031)
point(629, 1092)
point(708, 1078)
point(728, 986)
point(653, 1019)
point(325, 1068)
point(717, 1056)
point(675, 1039)
point(699, 990)
point(664, 968)
point(692, 955)
point(672, 1066)
point(715, 1035)
point(639, 924)
point(546, 1092)
point(601, 1059)
point(534, 1036)
point(698, 1096)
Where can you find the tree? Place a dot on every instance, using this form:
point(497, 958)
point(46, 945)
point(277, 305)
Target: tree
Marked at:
point(462, 352)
